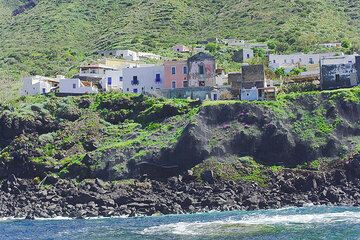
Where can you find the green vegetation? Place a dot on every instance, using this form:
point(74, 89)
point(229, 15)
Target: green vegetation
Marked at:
point(55, 37)
point(235, 169)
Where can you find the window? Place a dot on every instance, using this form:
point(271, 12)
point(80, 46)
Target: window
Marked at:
point(201, 69)
point(109, 80)
point(111, 54)
point(173, 70)
point(74, 85)
point(173, 84)
point(284, 60)
point(158, 78)
point(185, 84)
point(120, 79)
point(311, 60)
point(247, 56)
point(93, 71)
point(185, 70)
point(274, 61)
point(44, 90)
point(127, 89)
point(201, 83)
point(135, 81)
point(337, 78)
point(135, 90)
point(292, 61)
point(299, 59)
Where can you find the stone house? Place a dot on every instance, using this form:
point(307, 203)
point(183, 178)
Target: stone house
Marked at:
point(340, 72)
point(242, 55)
point(201, 70)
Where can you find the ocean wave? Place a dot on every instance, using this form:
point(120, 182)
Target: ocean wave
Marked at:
point(252, 223)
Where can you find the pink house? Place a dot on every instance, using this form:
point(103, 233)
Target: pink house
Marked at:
point(176, 74)
point(180, 48)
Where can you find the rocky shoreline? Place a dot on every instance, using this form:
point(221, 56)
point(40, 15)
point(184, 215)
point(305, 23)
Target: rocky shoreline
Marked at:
point(22, 198)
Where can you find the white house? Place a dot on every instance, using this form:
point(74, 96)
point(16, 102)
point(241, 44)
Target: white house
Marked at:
point(234, 42)
point(199, 49)
point(145, 55)
point(39, 85)
point(251, 94)
point(180, 48)
point(331, 45)
point(294, 60)
point(94, 70)
point(143, 79)
point(125, 54)
point(113, 80)
point(76, 86)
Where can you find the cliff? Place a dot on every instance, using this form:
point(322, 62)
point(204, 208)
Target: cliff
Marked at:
point(114, 136)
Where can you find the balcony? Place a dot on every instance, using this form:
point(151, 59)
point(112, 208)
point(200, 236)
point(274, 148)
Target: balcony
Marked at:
point(158, 80)
point(135, 82)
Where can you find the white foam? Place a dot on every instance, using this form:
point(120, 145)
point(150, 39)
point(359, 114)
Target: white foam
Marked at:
point(206, 228)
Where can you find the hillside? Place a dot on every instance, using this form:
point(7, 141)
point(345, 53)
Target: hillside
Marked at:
point(54, 36)
point(122, 136)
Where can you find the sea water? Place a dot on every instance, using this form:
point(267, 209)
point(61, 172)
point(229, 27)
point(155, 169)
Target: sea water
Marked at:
point(289, 223)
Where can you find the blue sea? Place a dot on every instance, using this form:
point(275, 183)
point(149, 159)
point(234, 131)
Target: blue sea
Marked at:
point(289, 223)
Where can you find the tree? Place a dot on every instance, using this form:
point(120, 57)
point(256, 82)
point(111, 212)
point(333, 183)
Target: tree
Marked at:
point(346, 43)
point(212, 47)
point(280, 72)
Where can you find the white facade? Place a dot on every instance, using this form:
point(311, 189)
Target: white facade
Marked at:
point(330, 45)
point(234, 42)
point(143, 79)
point(145, 55)
point(125, 54)
point(76, 86)
point(199, 49)
point(294, 60)
point(112, 81)
point(38, 85)
point(180, 48)
point(249, 94)
point(95, 70)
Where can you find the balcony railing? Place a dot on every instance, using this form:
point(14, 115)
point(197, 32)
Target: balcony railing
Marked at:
point(135, 82)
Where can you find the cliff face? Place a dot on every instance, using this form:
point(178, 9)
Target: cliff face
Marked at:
point(116, 136)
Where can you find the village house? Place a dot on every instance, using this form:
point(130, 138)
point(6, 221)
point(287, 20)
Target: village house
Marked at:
point(180, 48)
point(295, 60)
point(340, 71)
point(176, 74)
point(93, 71)
point(143, 79)
point(124, 54)
point(221, 77)
point(234, 42)
point(243, 55)
point(75, 86)
point(198, 49)
point(235, 79)
point(253, 84)
point(331, 45)
point(34, 85)
point(201, 70)
point(145, 55)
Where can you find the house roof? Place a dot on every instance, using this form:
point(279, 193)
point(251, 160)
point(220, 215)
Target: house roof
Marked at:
point(201, 56)
point(96, 65)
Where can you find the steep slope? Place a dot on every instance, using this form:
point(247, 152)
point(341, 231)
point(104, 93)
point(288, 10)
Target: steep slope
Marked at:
point(54, 36)
point(124, 136)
